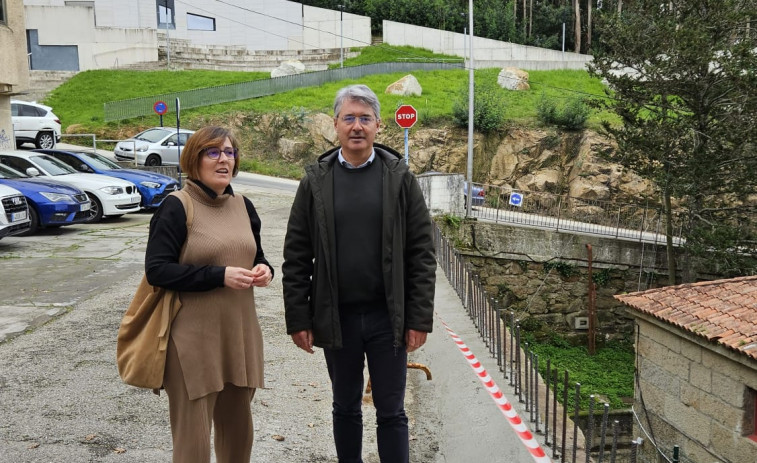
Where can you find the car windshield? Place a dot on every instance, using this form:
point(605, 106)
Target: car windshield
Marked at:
point(7, 172)
point(98, 161)
point(153, 135)
point(51, 165)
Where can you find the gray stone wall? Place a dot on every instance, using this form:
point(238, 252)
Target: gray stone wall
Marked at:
point(542, 275)
point(695, 394)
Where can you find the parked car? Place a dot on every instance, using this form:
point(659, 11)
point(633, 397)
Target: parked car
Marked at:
point(14, 212)
point(109, 196)
point(34, 123)
point(51, 204)
point(154, 147)
point(478, 195)
point(153, 187)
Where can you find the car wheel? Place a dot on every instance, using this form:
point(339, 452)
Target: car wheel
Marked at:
point(34, 225)
point(152, 160)
point(95, 210)
point(45, 140)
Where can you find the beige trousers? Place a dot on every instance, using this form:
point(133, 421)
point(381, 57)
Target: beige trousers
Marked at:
point(227, 411)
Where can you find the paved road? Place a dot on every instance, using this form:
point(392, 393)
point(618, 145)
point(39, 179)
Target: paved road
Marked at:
point(62, 399)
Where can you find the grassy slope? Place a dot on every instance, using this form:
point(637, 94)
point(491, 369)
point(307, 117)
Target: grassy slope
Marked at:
point(81, 99)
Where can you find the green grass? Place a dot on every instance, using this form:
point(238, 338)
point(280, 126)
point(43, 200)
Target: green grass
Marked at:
point(386, 53)
point(608, 374)
point(81, 99)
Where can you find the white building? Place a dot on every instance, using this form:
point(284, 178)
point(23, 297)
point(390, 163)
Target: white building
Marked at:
point(101, 34)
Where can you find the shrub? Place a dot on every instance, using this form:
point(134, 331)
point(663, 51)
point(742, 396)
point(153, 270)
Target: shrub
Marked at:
point(570, 116)
point(488, 107)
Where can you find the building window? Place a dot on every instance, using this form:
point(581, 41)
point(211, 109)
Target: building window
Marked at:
point(2, 12)
point(196, 22)
point(166, 14)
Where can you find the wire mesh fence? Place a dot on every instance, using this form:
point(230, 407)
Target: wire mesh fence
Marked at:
point(143, 106)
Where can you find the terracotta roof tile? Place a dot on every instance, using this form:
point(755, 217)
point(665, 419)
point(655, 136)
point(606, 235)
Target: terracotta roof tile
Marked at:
point(723, 311)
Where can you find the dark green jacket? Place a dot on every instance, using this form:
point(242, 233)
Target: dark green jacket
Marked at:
point(408, 264)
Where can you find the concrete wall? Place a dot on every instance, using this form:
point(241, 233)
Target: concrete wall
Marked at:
point(96, 47)
point(324, 29)
point(443, 193)
point(695, 393)
point(487, 53)
point(112, 33)
point(14, 70)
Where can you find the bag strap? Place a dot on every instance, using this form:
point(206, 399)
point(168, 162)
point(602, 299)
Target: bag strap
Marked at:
point(186, 200)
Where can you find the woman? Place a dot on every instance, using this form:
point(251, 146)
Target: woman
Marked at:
point(214, 360)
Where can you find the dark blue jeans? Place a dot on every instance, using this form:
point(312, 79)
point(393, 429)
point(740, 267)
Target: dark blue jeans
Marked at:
point(369, 335)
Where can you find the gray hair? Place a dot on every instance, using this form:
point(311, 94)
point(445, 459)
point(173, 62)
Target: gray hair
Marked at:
point(360, 93)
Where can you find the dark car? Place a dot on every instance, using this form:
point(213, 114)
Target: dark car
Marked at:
point(51, 204)
point(153, 187)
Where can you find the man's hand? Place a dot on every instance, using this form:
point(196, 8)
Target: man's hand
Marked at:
point(304, 340)
point(415, 339)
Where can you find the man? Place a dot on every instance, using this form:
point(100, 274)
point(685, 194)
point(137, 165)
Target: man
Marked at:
point(359, 274)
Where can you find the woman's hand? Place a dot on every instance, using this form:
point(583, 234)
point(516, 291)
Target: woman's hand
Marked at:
point(262, 275)
point(242, 278)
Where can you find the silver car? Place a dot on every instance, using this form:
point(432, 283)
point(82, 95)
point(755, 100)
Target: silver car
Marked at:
point(154, 147)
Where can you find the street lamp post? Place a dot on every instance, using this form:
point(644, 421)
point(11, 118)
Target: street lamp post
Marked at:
point(341, 36)
point(470, 110)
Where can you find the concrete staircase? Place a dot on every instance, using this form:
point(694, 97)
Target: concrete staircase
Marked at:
point(43, 82)
point(184, 55)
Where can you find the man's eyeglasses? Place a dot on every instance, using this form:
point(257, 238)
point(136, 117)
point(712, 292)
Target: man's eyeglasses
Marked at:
point(215, 153)
point(364, 120)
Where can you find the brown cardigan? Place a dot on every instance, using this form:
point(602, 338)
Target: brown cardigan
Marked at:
point(216, 332)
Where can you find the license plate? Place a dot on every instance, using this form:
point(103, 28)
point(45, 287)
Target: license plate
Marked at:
point(85, 207)
point(18, 216)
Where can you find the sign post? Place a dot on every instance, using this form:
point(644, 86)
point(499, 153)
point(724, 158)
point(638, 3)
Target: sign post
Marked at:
point(406, 116)
point(178, 137)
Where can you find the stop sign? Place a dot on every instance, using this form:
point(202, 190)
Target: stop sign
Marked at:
point(406, 116)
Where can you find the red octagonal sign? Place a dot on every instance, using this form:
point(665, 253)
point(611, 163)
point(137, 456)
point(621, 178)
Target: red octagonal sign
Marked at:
point(406, 116)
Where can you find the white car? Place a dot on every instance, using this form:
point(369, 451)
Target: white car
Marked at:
point(35, 123)
point(109, 196)
point(154, 147)
point(14, 212)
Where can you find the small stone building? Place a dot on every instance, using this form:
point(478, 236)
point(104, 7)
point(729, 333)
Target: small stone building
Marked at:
point(696, 363)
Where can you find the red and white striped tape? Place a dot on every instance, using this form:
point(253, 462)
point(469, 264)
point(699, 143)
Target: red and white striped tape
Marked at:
point(499, 398)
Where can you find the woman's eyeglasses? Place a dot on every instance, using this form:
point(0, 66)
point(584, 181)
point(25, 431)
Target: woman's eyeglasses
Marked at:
point(215, 153)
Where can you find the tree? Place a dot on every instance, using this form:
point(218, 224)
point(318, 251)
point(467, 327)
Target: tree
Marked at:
point(682, 76)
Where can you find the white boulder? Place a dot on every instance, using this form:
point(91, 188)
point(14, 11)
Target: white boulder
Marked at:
point(406, 86)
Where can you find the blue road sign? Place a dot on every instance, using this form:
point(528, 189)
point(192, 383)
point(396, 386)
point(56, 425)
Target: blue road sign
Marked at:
point(516, 199)
point(160, 107)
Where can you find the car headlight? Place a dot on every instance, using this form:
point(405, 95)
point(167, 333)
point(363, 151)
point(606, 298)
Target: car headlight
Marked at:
point(150, 184)
point(56, 197)
point(112, 190)
point(142, 149)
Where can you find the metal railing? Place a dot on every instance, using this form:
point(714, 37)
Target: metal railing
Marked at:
point(566, 213)
point(541, 389)
point(136, 107)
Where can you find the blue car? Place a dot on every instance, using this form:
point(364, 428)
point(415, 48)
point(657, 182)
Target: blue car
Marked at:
point(478, 195)
point(152, 187)
point(51, 204)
